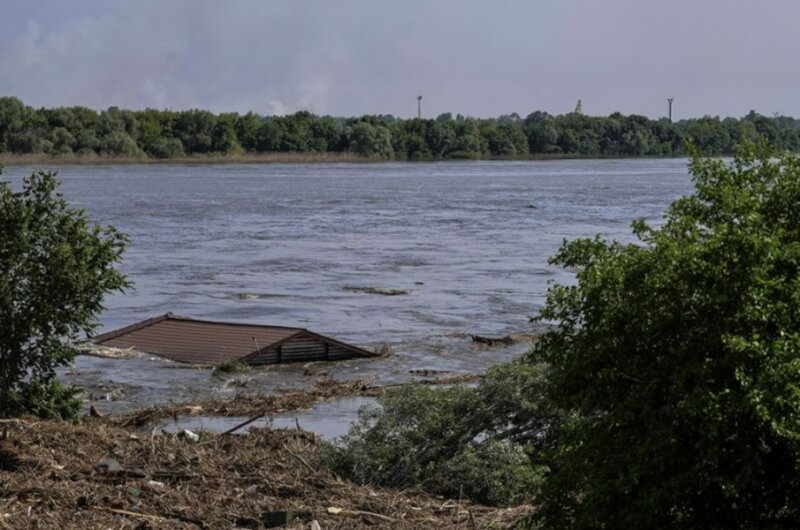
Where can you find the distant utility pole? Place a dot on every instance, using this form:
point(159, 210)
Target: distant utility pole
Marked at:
point(670, 108)
point(419, 107)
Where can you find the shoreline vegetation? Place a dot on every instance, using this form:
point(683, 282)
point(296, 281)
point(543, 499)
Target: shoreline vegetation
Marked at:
point(80, 135)
point(44, 160)
point(32, 159)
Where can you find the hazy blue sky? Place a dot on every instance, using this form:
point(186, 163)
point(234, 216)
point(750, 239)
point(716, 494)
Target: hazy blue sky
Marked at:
point(349, 57)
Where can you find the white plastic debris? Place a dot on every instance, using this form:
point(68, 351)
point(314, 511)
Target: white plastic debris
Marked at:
point(189, 435)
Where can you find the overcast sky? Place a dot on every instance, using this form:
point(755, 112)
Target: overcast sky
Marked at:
point(352, 57)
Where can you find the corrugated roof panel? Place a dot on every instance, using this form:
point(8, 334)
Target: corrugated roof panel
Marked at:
point(195, 341)
point(187, 340)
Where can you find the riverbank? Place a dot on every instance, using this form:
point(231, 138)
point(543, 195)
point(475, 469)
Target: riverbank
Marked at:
point(99, 474)
point(11, 159)
point(40, 159)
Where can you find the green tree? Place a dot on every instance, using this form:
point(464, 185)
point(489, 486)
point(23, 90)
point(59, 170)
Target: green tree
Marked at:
point(55, 268)
point(369, 140)
point(298, 136)
point(119, 143)
point(194, 129)
point(677, 361)
point(86, 142)
point(444, 117)
point(223, 136)
point(247, 131)
point(409, 139)
point(512, 139)
point(270, 135)
point(13, 118)
point(541, 132)
point(62, 140)
point(467, 141)
point(327, 135)
point(151, 131)
point(167, 148)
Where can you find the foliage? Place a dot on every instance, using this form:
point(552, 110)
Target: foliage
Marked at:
point(677, 360)
point(229, 367)
point(369, 140)
point(45, 399)
point(168, 134)
point(479, 442)
point(54, 272)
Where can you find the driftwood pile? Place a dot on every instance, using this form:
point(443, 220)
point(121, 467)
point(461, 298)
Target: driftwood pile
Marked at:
point(325, 388)
point(99, 475)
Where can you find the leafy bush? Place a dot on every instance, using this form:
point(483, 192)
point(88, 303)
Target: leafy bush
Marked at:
point(45, 399)
point(677, 360)
point(55, 270)
point(452, 441)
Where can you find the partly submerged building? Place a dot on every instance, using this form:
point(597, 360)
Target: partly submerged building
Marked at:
point(186, 340)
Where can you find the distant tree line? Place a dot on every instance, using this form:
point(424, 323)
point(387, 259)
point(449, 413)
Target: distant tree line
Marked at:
point(168, 134)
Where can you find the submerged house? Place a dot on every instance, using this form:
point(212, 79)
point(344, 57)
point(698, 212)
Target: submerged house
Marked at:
point(187, 340)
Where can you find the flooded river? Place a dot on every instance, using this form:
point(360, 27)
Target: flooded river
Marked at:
point(297, 245)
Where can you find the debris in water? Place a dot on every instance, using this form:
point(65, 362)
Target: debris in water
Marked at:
point(428, 373)
point(247, 296)
point(493, 341)
point(107, 352)
point(505, 341)
point(257, 296)
point(376, 290)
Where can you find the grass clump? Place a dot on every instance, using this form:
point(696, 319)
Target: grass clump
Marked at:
point(230, 366)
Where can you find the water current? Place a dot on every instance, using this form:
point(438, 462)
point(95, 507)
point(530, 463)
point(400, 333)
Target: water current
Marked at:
point(297, 244)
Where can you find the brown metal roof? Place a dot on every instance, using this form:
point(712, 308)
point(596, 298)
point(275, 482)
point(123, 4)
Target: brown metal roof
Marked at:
point(188, 340)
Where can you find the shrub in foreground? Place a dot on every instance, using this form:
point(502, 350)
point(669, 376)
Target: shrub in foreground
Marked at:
point(677, 360)
point(474, 442)
point(55, 269)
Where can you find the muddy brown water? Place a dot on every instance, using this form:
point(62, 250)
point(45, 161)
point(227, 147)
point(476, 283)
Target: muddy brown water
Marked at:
point(319, 245)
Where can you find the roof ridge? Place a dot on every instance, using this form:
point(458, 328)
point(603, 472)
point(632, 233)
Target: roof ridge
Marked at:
point(132, 327)
point(181, 318)
point(171, 316)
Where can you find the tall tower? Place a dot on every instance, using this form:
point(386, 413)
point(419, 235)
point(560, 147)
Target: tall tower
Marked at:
point(419, 107)
point(669, 100)
point(579, 107)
